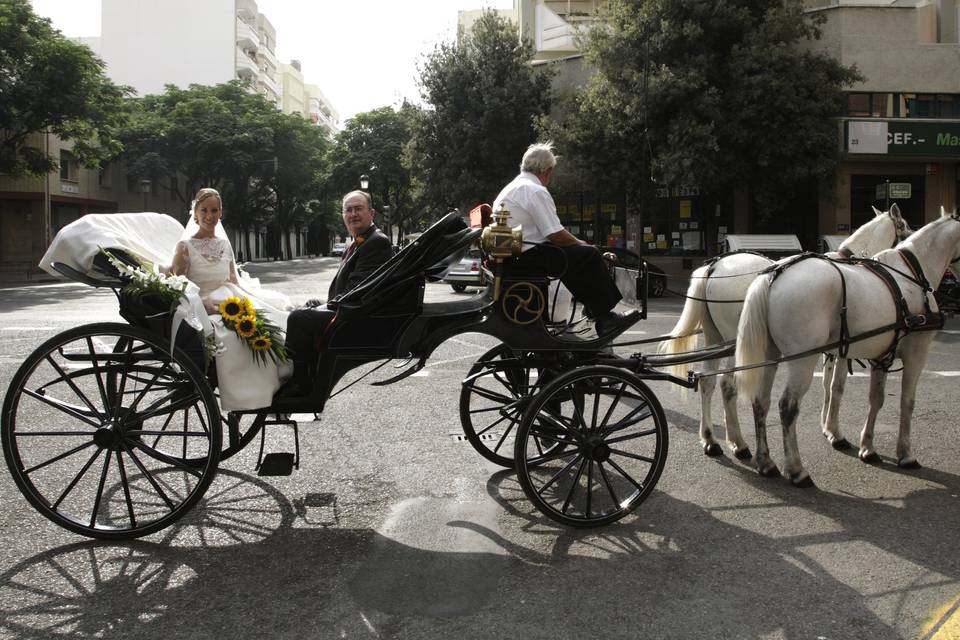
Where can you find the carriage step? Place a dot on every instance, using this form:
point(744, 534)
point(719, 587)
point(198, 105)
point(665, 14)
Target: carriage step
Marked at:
point(279, 463)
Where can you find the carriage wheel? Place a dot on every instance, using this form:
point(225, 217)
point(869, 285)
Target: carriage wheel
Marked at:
point(238, 429)
point(492, 400)
point(108, 460)
point(617, 445)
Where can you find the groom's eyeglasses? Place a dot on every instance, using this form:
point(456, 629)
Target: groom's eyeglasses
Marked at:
point(357, 208)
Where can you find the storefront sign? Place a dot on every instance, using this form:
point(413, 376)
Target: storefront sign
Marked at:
point(899, 137)
point(898, 190)
point(608, 208)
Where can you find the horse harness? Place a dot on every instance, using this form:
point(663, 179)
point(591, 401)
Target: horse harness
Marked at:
point(905, 323)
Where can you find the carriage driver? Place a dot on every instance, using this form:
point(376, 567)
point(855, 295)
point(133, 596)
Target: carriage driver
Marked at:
point(559, 253)
point(370, 249)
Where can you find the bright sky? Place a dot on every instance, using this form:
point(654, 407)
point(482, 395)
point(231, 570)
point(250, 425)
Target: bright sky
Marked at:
point(363, 54)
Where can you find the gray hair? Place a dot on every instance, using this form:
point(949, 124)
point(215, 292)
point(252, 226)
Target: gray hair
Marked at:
point(357, 192)
point(538, 158)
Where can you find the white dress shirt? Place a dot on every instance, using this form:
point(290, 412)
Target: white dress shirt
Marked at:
point(530, 205)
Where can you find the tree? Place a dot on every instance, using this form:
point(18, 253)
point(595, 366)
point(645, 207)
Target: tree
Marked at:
point(374, 143)
point(206, 136)
point(297, 185)
point(721, 92)
point(484, 97)
point(51, 84)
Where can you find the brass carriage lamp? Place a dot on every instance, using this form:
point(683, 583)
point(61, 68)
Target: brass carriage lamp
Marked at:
point(499, 241)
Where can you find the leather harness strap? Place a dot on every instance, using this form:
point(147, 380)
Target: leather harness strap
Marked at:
point(905, 322)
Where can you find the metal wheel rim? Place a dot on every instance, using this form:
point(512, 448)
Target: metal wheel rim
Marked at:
point(617, 446)
point(100, 444)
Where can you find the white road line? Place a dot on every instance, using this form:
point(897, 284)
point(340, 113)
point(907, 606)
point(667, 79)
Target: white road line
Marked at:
point(635, 333)
point(856, 374)
point(423, 373)
point(946, 374)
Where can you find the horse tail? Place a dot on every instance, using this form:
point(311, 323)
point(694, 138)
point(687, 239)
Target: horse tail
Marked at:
point(753, 336)
point(684, 333)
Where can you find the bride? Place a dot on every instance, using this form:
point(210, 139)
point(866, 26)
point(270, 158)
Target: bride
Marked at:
point(205, 257)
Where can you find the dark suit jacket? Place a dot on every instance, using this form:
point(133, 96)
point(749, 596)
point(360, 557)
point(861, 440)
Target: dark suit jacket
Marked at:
point(364, 259)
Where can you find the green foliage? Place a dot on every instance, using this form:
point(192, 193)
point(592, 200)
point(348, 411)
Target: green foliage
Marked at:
point(49, 83)
point(484, 97)
point(726, 97)
point(375, 144)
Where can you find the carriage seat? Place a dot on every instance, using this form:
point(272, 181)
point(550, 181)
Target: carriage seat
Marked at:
point(445, 242)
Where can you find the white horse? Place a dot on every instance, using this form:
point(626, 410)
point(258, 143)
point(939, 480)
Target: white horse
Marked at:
point(800, 311)
point(728, 279)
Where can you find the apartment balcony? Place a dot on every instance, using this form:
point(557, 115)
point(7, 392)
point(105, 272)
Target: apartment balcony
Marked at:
point(247, 37)
point(247, 9)
point(267, 56)
point(557, 33)
point(247, 69)
point(271, 85)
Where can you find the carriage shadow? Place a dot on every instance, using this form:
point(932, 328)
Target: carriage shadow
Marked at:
point(249, 561)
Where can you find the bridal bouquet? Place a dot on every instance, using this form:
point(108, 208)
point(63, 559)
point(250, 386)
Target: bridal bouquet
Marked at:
point(149, 288)
point(263, 337)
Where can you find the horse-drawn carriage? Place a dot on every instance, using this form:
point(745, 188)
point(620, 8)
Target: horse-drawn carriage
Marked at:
point(114, 430)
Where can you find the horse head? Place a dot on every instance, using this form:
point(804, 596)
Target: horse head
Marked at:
point(884, 231)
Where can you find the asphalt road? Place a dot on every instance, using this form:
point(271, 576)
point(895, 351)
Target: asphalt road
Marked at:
point(393, 527)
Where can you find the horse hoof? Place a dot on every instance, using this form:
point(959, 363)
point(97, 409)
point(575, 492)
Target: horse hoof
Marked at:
point(802, 480)
point(869, 458)
point(841, 444)
point(712, 449)
point(769, 472)
point(908, 463)
point(743, 454)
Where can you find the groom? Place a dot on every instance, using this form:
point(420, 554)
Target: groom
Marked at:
point(370, 249)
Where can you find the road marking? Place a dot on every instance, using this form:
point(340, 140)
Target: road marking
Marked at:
point(420, 374)
point(951, 331)
point(635, 333)
point(945, 623)
point(856, 374)
point(947, 374)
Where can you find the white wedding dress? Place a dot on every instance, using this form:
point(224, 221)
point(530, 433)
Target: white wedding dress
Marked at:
point(245, 383)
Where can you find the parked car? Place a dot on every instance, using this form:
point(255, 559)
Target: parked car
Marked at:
point(338, 249)
point(948, 293)
point(625, 258)
point(465, 273)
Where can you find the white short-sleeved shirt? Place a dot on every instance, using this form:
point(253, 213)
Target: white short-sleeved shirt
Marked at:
point(530, 205)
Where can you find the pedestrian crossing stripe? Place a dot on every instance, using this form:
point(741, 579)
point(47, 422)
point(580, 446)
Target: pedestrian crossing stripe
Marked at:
point(945, 623)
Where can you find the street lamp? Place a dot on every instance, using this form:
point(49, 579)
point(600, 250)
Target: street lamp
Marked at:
point(145, 184)
point(364, 181)
point(386, 219)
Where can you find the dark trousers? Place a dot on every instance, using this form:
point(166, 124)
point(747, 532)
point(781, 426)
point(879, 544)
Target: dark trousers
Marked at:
point(581, 269)
point(304, 329)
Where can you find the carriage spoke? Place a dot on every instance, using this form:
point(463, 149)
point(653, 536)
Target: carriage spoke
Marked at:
point(625, 475)
point(596, 412)
point(631, 436)
point(162, 457)
point(506, 432)
point(635, 456)
point(103, 481)
point(559, 473)
point(142, 393)
point(163, 430)
point(76, 449)
point(73, 385)
point(124, 373)
point(576, 408)
point(492, 425)
point(589, 482)
point(85, 434)
point(61, 406)
point(547, 457)
point(606, 481)
point(76, 478)
point(126, 489)
point(492, 395)
point(203, 423)
point(154, 432)
point(613, 405)
point(573, 487)
point(628, 420)
point(96, 368)
point(155, 409)
point(148, 475)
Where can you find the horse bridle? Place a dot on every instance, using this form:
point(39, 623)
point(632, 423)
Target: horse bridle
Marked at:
point(899, 235)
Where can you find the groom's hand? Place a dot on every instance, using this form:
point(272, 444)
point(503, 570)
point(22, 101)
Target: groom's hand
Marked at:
point(312, 303)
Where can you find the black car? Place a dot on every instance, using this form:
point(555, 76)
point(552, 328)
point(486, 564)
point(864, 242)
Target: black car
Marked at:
point(948, 293)
point(630, 260)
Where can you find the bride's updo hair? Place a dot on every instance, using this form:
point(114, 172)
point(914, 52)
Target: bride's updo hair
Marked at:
point(203, 194)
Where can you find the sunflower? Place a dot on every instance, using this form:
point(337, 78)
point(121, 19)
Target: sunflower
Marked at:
point(248, 308)
point(261, 343)
point(246, 326)
point(231, 308)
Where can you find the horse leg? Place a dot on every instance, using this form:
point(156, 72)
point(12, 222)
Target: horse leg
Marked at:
point(913, 363)
point(799, 378)
point(829, 364)
point(878, 380)
point(761, 406)
point(707, 384)
point(831, 403)
point(731, 421)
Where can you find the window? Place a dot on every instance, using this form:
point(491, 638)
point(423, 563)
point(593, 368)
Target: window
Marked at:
point(870, 105)
point(68, 166)
point(103, 176)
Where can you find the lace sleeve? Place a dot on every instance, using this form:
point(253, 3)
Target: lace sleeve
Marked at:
point(233, 264)
point(181, 260)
